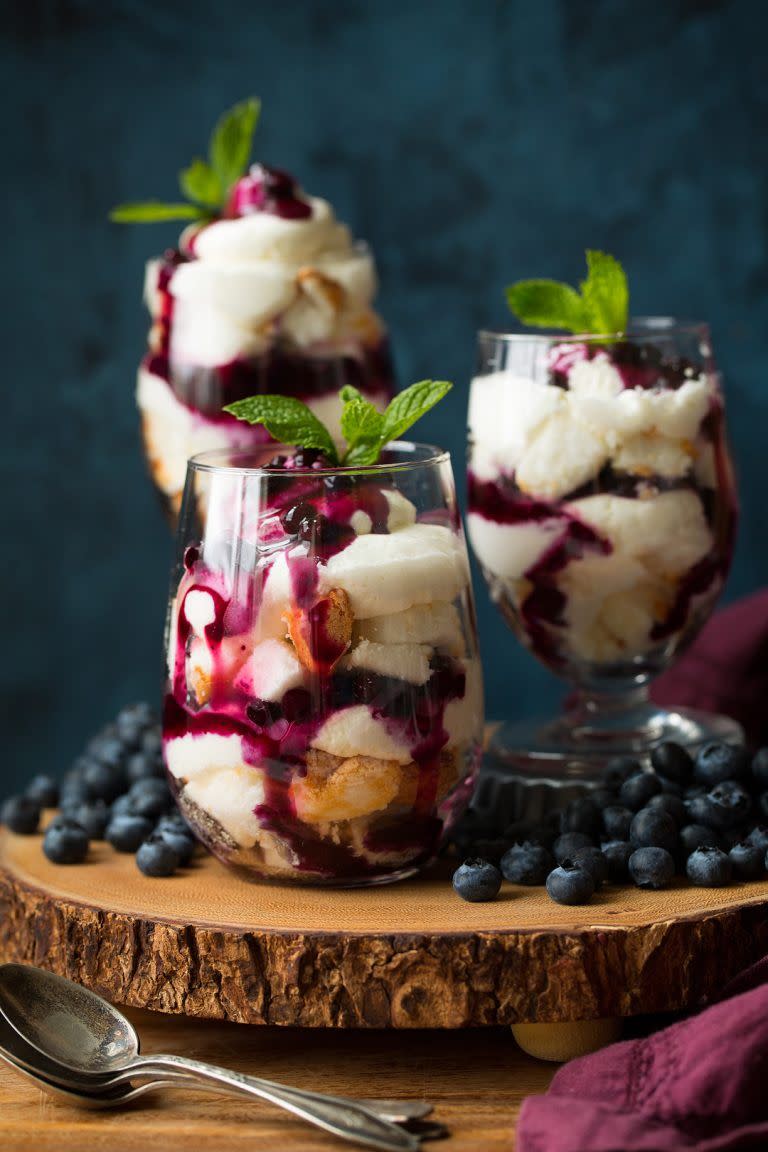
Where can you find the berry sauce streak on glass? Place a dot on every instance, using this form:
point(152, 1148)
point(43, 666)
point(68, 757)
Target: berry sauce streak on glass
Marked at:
point(602, 503)
point(323, 715)
point(273, 297)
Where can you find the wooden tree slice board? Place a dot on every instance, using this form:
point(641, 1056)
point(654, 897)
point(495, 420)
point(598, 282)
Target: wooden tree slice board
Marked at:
point(410, 955)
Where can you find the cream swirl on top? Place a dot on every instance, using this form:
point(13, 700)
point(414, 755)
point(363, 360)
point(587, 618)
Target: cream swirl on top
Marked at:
point(259, 277)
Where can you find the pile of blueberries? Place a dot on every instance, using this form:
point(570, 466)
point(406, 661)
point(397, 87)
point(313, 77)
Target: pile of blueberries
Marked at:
point(704, 817)
point(115, 791)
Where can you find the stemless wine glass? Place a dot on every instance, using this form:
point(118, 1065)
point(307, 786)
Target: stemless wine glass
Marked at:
point(602, 509)
point(323, 715)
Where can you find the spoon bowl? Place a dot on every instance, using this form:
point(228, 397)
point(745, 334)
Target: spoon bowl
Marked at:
point(66, 1022)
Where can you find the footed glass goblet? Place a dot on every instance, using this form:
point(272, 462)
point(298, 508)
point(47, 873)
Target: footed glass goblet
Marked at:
point(602, 510)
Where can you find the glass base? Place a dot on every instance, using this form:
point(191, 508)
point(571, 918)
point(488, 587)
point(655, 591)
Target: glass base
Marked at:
point(535, 768)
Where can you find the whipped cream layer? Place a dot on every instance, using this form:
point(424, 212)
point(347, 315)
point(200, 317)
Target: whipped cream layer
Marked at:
point(602, 502)
point(324, 713)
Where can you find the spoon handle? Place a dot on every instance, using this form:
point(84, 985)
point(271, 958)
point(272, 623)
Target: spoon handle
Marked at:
point(395, 1110)
point(344, 1118)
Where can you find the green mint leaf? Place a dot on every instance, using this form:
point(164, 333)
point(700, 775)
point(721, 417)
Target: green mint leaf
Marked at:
point(153, 211)
point(547, 304)
point(200, 184)
point(231, 142)
point(410, 405)
point(605, 293)
point(361, 425)
point(287, 420)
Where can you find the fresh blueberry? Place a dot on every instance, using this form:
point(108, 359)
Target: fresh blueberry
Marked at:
point(604, 798)
point(762, 803)
point(104, 781)
point(700, 811)
point(651, 867)
point(581, 815)
point(748, 860)
point(760, 767)
point(593, 861)
point(616, 821)
point(93, 818)
point(44, 790)
point(152, 741)
point(709, 868)
point(526, 863)
point(65, 841)
point(477, 880)
point(716, 762)
point(141, 766)
point(617, 854)
point(141, 713)
point(104, 743)
point(693, 836)
point(637, 790)
point(619, 769)
point(21, 814)
point(570, 884)
point(126, 832)
point(653, 828)
point(759, 836)
point(673, 761)
point(569, 843)
point(674, 806)
point(150, 798)
point(670, 787)
point(730, 804)
point(183, 843)
point(157, 857)
point(123, 806)
point(174, 820)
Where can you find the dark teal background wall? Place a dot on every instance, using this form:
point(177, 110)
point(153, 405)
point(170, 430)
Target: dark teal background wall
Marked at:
point(470, 141)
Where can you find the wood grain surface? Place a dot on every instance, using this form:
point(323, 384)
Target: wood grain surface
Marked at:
point(476, 1080)
point(412, 955)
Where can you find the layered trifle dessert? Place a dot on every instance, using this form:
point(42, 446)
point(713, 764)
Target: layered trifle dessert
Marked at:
point(274, 297)
point(601, 496)
point(266, 292)
point(323, 715)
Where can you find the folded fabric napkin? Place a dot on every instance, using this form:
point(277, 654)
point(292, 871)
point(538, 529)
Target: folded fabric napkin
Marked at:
point(726, 668)
point(700, 1085)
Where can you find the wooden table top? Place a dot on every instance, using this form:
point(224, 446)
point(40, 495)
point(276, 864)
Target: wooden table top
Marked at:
point(476, 1079)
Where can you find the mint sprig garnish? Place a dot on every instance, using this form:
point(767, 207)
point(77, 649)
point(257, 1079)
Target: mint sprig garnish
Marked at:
point(365, 429)
point(206, 184)
point(600, 306)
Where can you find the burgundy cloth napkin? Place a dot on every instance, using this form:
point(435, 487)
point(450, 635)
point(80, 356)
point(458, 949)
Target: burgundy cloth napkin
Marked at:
point(726, 668)
point(700, 1085)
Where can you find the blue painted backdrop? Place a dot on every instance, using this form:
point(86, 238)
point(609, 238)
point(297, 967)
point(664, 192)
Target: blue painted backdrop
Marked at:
point(471, 141)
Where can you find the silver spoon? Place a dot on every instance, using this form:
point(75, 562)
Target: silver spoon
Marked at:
point(120, 1096)
point(15, 1049)
point(86, 1035)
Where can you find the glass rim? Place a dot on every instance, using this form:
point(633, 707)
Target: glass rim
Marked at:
point(210, 461)
point(645, 326)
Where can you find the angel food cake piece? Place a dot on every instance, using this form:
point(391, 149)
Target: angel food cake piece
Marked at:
point(601, 501)
point(329, 729)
